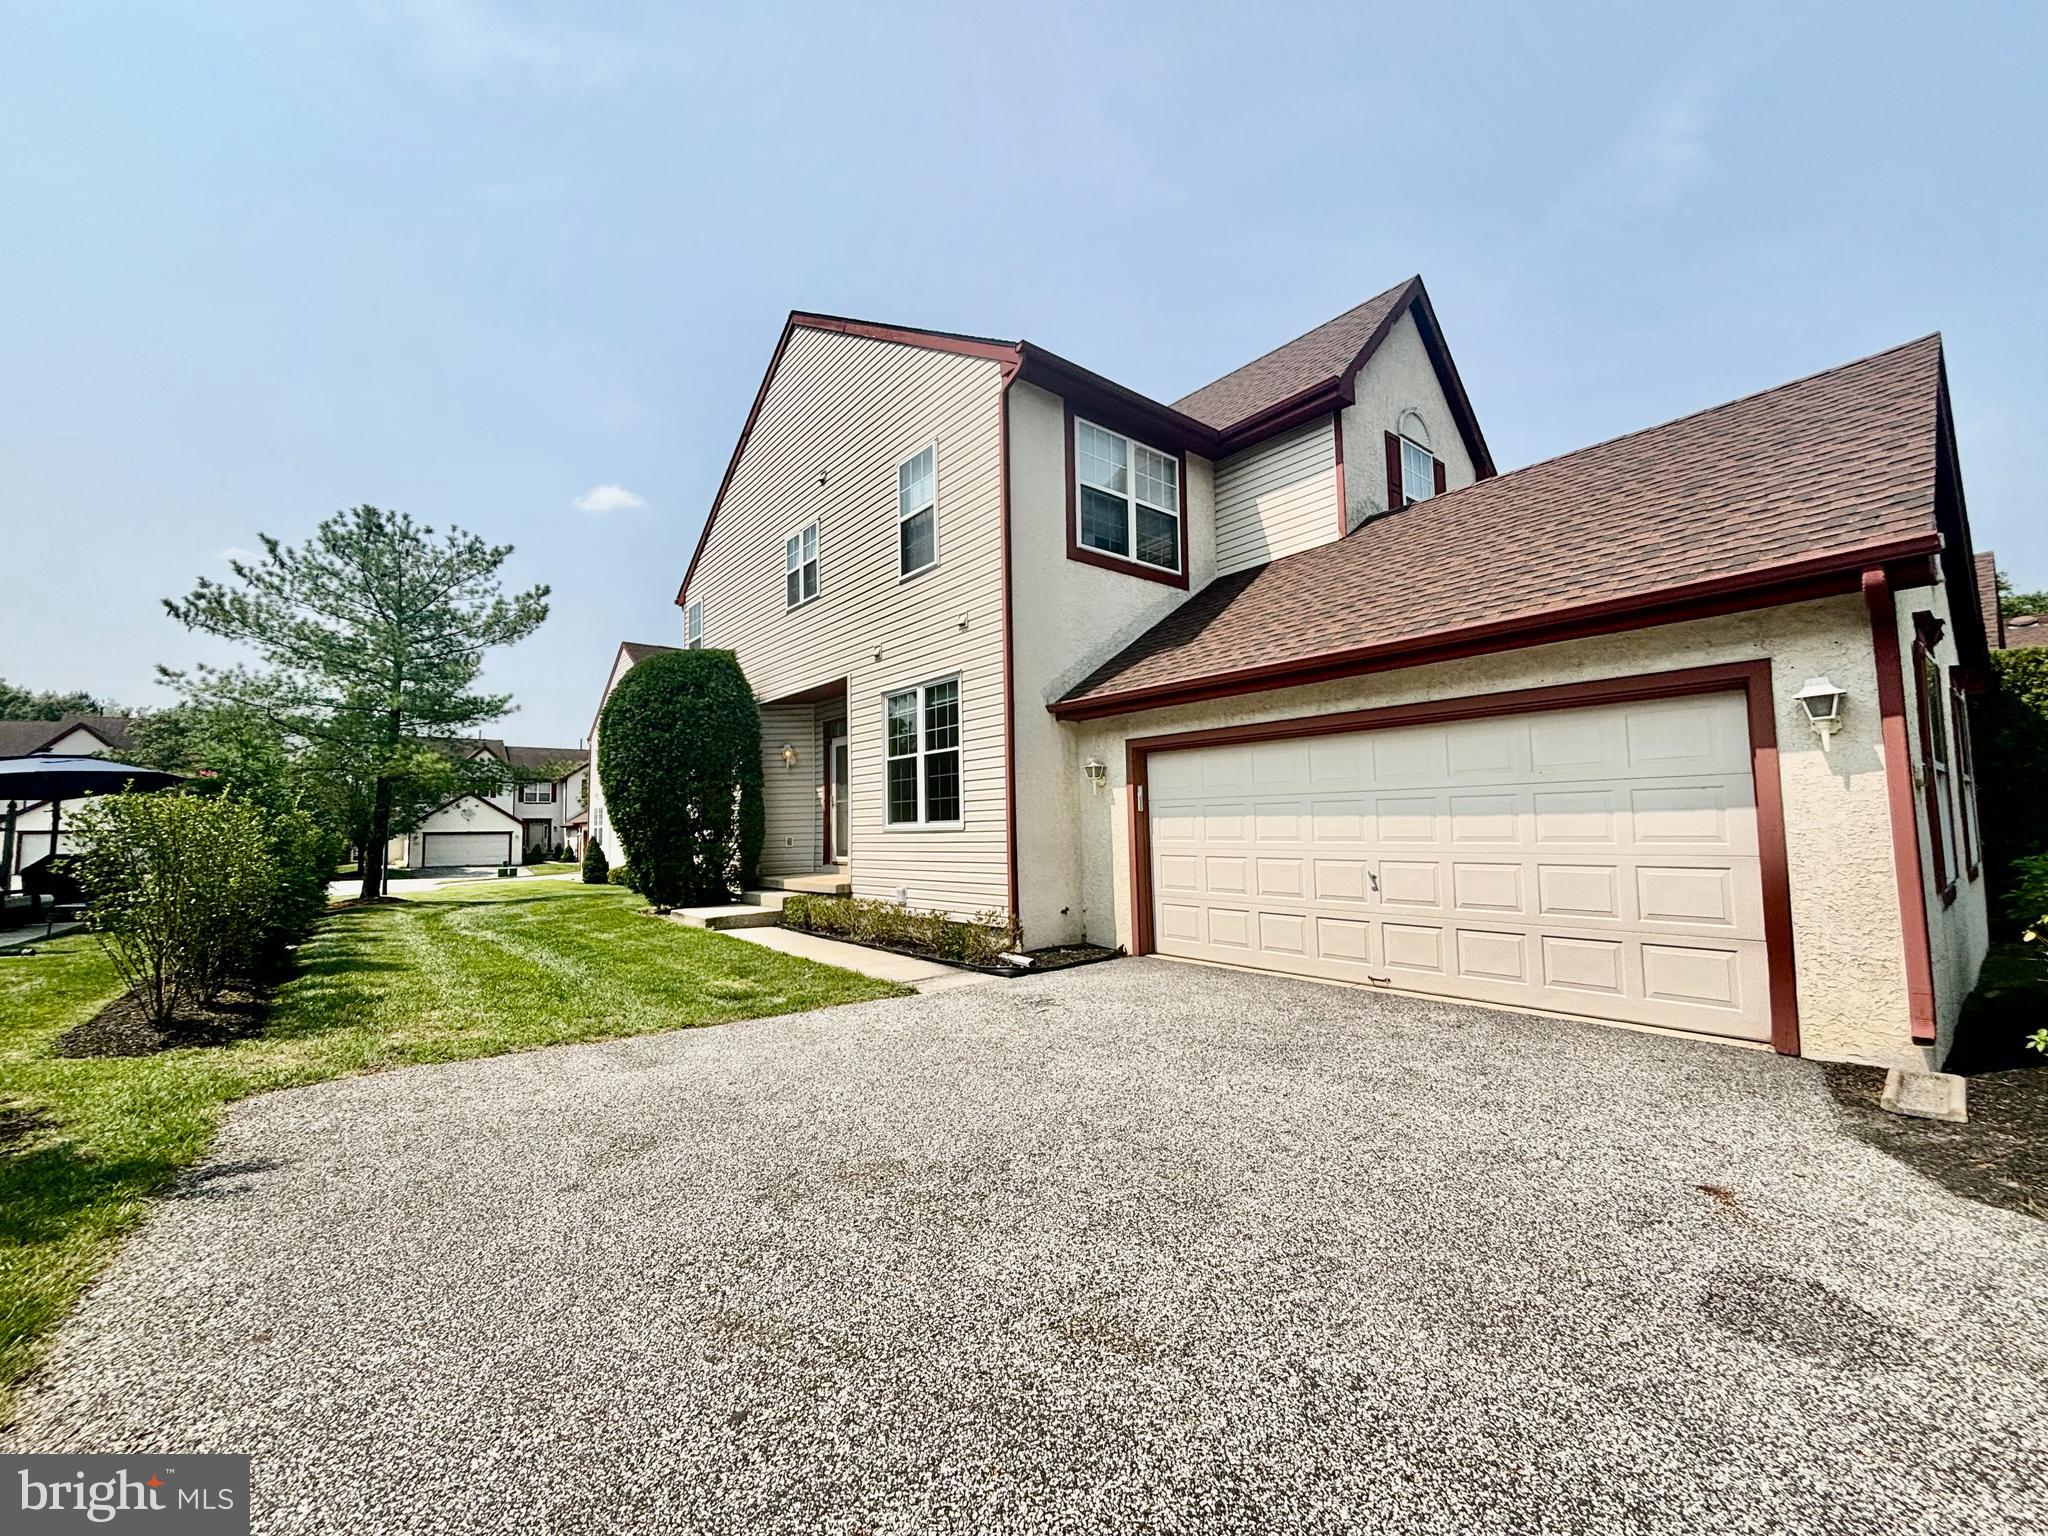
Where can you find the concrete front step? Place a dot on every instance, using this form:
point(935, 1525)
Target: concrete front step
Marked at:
point(828, 882)
point(736, 915)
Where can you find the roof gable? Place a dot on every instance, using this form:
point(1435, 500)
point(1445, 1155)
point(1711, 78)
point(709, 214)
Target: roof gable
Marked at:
point(1314, 374)
point(1827, 473)
point(22, 738)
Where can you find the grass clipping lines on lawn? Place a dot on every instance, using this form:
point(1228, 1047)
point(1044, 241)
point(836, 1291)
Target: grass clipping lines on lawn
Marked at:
point(444, 976)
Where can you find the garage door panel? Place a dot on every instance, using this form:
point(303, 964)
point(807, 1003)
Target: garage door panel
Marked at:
point(447, 849)
point(1388, 857)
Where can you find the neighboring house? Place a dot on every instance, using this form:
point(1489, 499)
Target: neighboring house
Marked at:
point(72, 736)
point(528, 817)
point(572, 801)
point(1283, 675)
point(598, 825)
point(2022, 631)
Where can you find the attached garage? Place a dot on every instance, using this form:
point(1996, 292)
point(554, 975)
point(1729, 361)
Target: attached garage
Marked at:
point(1603, 859)
point(444, 849)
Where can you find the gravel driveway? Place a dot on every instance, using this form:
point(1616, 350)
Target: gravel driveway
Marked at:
point(1136, 1247)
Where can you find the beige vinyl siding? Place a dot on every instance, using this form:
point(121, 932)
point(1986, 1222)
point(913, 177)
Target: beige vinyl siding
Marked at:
point(840, 415)
point(1277, 498)
point(789, 795)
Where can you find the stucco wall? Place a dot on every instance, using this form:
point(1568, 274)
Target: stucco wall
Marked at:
point(1848, 955)
point(1399, 378)
point(1067, 618)
point(1958, 931)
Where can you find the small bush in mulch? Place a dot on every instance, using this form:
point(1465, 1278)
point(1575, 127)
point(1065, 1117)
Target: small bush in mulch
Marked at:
point(979, 942)
point(124, 1027)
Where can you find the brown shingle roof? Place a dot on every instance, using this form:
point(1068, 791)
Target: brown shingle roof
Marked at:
point(1987, 600)
point(1843, 461)
point(1314, 358)
point(639, 650)
point(19, 738)
point(2026, 630)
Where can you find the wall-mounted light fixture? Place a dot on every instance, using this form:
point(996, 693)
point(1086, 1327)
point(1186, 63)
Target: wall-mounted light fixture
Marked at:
point(1098, 773)
point(788, 755)
point(1822, 701)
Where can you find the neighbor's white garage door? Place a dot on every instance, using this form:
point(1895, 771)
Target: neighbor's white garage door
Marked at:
point(1598, 861)
point(467, 848)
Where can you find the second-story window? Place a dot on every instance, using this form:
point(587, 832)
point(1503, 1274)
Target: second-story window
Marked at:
point(693, 627)
point(917, 511)
point(1128, 497)
point(800, 566)
point(536, 794)
point(1418, 472)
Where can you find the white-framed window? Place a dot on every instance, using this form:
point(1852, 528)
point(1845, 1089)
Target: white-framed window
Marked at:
point(1127, 498)
point(800, 566)
point(1418, 472)
point(917, 511)
point(536, 794)
point(1966, 775)
point(693, 627)
point(921, 740)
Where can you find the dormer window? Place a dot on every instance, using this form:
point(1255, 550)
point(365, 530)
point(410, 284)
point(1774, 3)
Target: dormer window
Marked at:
point(1413, 472)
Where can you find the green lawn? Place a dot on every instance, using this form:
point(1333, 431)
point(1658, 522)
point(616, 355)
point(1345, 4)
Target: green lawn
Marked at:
point(446, 975)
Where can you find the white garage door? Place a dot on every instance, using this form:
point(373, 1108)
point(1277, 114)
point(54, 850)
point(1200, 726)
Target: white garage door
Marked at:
point(1598, 861)
point(444, 848)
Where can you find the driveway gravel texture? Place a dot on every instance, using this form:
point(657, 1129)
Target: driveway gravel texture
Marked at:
point(1137, 1247)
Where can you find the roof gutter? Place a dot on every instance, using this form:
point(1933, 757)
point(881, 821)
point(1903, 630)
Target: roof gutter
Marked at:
point(1905, 560)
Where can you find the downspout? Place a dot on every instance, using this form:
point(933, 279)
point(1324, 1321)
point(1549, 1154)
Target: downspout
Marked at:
point(1898, 779)
point(1009, 650)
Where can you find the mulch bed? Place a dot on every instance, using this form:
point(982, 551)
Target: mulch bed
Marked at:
point(1060, 957)
point(122, 1028)
point(1999, 1157)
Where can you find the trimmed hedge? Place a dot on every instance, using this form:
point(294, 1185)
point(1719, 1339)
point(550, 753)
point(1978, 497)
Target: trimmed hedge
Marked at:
point(981, 941)
point(596, 867)
point(679, 761)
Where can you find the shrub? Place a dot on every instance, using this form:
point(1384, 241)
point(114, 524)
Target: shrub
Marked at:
point(2010, 727)
point(981, 940)
point(596, 867)
point(679, 760)
point(306, 855)
point(621, 874)
point(180, 889)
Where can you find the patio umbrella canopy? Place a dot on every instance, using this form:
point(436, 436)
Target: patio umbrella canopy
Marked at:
point(51, 777)
point(48, 776)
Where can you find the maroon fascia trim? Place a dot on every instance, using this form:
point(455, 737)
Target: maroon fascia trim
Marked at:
point(1003, 352)
point(1105, 400)
point(1751, 678)
point(1796, 581)
point(1898, 781)
point(1078, 551)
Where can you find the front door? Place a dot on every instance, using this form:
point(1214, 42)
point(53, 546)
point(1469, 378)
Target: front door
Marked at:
point(835, 792)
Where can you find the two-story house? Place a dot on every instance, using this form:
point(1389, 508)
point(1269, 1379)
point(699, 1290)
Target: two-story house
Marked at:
point(39, 825)
point(1664, 732)
point(528, 817)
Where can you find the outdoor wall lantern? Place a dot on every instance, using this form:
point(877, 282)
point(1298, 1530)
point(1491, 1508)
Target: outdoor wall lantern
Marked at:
point(1098, 773)
point(788, 755)
point(1822, 701)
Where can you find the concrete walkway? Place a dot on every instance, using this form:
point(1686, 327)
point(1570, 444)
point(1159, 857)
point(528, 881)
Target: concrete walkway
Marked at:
point(904, 970)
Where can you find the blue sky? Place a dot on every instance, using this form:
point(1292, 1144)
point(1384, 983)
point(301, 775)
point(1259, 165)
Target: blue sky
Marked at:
point(476, 259)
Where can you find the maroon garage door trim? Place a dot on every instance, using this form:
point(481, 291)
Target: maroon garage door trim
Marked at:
point(1752, 679)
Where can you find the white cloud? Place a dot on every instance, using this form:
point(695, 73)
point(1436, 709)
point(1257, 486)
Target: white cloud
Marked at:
point(476, 39)
point(600, 499)
point(236, 552)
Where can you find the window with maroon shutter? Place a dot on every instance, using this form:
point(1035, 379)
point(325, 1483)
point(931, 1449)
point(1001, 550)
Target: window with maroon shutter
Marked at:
point(1935, 788)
